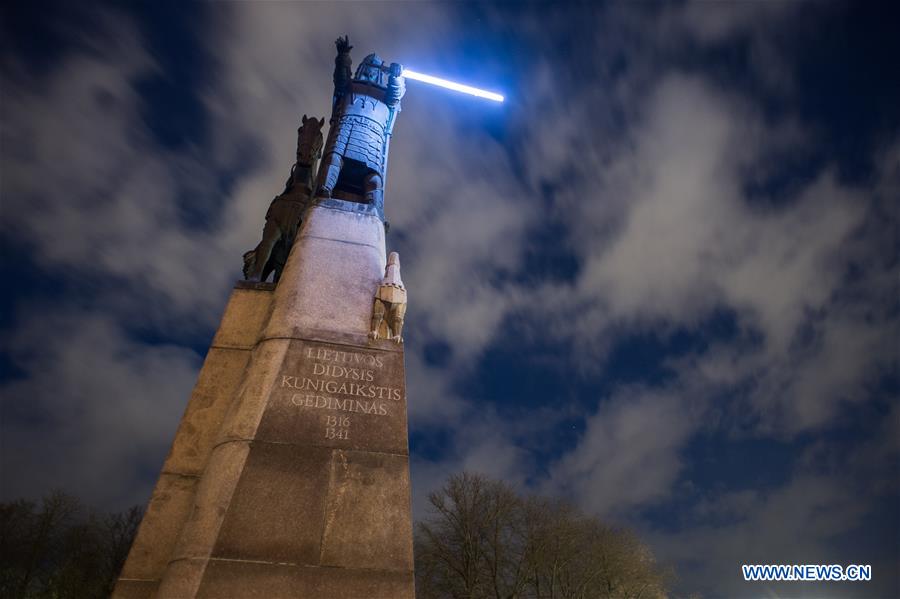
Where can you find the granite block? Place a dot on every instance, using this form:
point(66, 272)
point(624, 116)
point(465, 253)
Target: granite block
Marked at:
point(367, 519)
point(276, 512)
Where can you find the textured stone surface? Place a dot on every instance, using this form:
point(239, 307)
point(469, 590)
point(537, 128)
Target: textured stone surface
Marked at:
point(240, 580)
point(314, 500)
point(245, 316)
point(367, 519)
point(243, 416)
point(212, 499)
point(216, 387)
point(136, 589)
point(167, 511)
point(338, 396)
point(183, 578)
point(275, 514)
point(329, 287)
point(344, 227)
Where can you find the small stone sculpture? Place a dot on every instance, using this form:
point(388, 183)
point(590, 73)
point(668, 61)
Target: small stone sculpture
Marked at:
point(286, 210)
point(390, 303)
point(364, 108)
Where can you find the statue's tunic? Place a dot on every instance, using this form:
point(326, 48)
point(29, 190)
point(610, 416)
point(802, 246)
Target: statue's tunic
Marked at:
point(363, 125)
point(363, 113)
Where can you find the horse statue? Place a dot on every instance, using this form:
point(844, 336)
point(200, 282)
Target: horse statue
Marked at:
point(286, 210)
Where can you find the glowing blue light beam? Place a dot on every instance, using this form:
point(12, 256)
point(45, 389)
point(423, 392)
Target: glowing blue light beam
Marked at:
point(466, 89)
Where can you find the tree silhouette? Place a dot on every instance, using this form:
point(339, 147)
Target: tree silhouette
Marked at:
point(62, 550)
point(483, 540)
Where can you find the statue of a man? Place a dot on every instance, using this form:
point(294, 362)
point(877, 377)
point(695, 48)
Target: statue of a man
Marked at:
point(363, 113)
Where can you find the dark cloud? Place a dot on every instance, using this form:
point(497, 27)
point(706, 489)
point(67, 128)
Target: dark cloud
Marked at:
point(92, 409)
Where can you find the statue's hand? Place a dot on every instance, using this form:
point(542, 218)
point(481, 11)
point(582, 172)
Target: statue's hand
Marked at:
point(396, 69)
point(343, 45)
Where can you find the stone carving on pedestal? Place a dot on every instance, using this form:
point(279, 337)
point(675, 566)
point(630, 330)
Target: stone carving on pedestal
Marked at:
point(364, 108)
point(286, 210)
point(390, 303)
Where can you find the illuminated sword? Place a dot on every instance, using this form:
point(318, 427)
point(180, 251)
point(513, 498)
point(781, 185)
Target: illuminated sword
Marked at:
point(466, 89)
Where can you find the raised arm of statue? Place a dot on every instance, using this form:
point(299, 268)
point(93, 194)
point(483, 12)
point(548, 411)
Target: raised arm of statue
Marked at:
point(342, 62)
point(396, 85)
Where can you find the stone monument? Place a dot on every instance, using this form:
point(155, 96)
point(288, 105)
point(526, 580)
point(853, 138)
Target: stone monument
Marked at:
point(289, 472)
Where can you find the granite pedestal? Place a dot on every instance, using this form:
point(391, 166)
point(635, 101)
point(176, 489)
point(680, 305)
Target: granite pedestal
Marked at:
point(289, 473)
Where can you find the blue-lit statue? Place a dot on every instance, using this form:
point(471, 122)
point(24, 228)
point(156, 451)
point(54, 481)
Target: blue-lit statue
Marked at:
point(354, 165)
point(354, 160)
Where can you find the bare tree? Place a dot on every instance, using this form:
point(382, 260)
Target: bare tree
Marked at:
point(61, 550)
point(485, 541)
point(29, 538)
point(458, 553)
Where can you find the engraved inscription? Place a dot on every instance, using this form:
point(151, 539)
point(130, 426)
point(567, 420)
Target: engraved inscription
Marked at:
point(343, 381)
point(337, 427)
point(334, 395)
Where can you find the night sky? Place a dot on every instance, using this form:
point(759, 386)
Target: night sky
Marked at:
point(660, 280)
